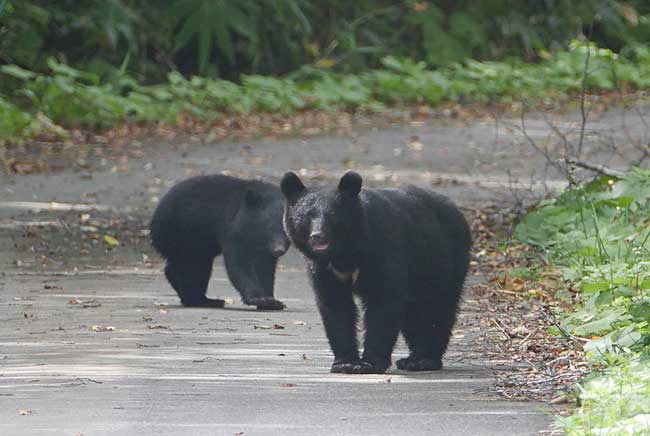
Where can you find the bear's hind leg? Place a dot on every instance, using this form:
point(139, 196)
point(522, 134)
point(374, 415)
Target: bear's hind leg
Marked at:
point(190, 278)
point(419, 332)
point(445, 318)
point(265, 269)
point(245, 277)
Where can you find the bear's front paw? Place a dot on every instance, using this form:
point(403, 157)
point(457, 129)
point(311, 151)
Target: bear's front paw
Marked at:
point(355, 367)
point(266, 303)
point(205, 302)
point(419, 364)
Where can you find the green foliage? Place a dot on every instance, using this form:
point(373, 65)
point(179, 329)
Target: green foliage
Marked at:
point(614, 403)
point(600, 234)
point(71, 97)
point(13, 121)
point(230, 38)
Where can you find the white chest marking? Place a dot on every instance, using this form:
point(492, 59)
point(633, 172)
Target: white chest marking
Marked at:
point(344, 276)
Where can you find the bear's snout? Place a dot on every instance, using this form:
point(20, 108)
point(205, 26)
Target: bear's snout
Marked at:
point(279, 248)
point(318, 242)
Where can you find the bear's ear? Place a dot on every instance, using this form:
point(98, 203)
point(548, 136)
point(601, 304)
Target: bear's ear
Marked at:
point(252, 199)
point(350, 183)
point(291, 185)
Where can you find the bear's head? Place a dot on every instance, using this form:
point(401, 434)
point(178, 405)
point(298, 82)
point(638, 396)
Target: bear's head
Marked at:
point(259, 223)
point(326, 225)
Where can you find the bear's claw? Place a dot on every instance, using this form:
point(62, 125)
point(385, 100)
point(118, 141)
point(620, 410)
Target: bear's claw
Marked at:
point(266, 303)
point(419, 364)
point(206, 302)
point(355, 367)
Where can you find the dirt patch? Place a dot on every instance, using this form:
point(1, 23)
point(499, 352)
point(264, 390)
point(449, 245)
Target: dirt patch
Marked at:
point(520, 299)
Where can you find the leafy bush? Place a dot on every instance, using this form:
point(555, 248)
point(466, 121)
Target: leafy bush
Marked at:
point(614, 403)
point(71, 97)
point(230, 38)
point(600, 235)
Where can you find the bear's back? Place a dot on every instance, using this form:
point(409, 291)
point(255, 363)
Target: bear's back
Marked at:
point(410, 205)
point(196, 213)
point(425, 227)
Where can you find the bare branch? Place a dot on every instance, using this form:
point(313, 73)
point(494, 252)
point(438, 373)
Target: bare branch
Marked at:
point(601, 169)
point(583, 92)
point(555, 164)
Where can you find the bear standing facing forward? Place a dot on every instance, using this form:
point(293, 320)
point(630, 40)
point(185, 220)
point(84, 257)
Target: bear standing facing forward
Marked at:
point(204, 216)
point(404, 252)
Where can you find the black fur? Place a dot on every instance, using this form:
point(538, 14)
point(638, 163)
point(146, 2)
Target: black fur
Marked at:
point(205, 216)
point(404, 252)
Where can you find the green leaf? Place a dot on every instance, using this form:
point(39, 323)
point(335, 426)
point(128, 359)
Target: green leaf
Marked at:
point(17, 72)
point(603, 324)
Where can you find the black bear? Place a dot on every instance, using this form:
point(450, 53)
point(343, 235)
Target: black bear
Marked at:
point(404, 252)
point(204, 216)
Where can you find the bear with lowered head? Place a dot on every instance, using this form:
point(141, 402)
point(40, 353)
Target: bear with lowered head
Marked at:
point(404, 252)
point(205, 216)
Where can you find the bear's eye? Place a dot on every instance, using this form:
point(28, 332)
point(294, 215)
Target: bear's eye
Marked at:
point(332, 216)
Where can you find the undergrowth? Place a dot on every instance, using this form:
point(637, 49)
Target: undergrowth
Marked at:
point(600, 235)
point(33, 103)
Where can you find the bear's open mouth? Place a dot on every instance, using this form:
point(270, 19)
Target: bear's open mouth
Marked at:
point(319, 245)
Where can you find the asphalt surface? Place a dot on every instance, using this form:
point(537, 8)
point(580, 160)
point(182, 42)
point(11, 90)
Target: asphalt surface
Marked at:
point(93, 341)
point(163, 369)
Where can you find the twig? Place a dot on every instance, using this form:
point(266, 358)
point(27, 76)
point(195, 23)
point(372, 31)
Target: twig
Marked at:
point(544, 153)
point(505, 333)
point(81, 379)
point(601, 169)
point(563, 331)
point(583, 112)
point(568, 148)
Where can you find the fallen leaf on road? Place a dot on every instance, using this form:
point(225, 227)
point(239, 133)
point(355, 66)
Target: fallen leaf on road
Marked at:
point(204, 359)
point(52, 287)
point(24, 412)
point(99, 328)
point(146, 345)
point(277, 327)
point(414, 143)
point(84, 304)
point(111, 241)
point(560, 399)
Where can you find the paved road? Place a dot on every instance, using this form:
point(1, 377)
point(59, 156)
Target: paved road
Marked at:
point(173, 371)
point(162, 369)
